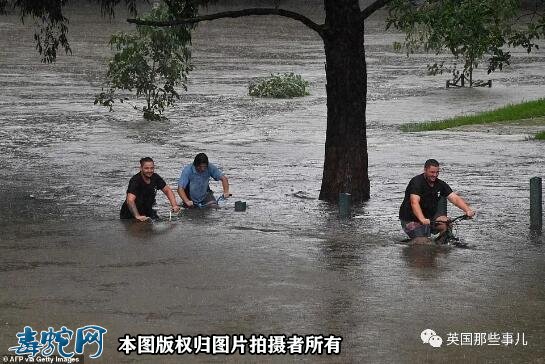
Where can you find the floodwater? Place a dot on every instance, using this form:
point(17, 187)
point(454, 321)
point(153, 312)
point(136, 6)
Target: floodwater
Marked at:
point(287, 265)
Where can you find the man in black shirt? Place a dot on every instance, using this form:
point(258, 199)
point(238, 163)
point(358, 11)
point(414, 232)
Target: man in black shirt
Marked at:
point(141, 193)
point(425, 200)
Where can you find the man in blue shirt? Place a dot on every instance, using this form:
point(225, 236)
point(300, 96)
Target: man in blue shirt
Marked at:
point(193, 185)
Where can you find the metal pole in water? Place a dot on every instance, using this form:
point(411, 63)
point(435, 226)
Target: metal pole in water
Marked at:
point(536, 208)
point(345, 202)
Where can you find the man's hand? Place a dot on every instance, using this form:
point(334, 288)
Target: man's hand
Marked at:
point(470, 213)
point(425, 222)
point(141, 218)
point(189, 203)
point(226, 195)
point(175, 208)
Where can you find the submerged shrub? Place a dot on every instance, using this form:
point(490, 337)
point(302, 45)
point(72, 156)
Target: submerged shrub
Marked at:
point(148, 63)
point(280, 86)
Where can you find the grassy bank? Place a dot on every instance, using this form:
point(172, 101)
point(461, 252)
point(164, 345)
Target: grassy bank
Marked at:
point(525, 110)
point(540, 135)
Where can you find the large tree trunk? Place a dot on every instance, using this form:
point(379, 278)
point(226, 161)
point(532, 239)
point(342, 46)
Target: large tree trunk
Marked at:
point(345, 165)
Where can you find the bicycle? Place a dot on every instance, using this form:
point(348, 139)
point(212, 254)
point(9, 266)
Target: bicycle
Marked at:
point(448, 237)
point(219, 202)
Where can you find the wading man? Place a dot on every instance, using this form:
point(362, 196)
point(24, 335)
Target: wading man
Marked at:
point(141, 193)
point(425, 201)
point(193, 185)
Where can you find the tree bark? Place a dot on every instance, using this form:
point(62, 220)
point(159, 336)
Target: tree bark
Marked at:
point(345, 164)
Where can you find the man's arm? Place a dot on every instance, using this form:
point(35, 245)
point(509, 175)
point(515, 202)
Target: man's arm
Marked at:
point(131, 203)
point(225, 186)
point(183, 182)
point(417, 210)
point(184, 197)
point(461, 204)
point(171, 198)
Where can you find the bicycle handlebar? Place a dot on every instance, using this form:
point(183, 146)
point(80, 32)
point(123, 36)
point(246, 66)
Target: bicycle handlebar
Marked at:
point(450, 220)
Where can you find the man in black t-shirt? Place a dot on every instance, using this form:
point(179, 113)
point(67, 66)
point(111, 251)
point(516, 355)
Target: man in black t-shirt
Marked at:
point(141, 193)
point(425, 200)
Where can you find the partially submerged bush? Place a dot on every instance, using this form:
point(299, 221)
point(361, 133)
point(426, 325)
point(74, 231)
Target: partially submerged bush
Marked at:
point(280, 86)
point(148, 63)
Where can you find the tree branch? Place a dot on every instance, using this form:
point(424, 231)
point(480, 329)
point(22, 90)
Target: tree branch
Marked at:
point(365, 13)
point(234, 14)
point(532, 14)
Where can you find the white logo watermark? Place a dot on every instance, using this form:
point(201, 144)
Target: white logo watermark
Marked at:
point(429, 336)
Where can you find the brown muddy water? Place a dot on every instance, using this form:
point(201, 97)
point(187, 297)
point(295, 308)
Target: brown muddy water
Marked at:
point(286, 265)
